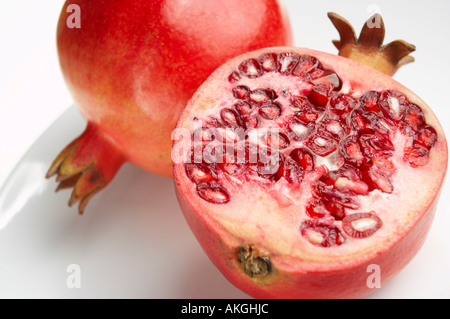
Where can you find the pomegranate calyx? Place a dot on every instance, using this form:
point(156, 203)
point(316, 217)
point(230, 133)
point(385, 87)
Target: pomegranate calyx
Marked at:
point(253, 263)
point(368, 48)
point(87, 165)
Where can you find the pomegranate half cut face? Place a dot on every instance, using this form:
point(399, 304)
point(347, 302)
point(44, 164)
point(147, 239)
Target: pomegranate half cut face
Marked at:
point(296, 170)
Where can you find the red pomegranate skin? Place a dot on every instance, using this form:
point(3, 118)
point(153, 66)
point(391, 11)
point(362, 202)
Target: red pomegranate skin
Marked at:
point(133, 65)
point(314, 285)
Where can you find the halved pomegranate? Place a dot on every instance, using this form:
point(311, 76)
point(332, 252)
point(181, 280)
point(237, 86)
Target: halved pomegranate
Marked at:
point(343, 171)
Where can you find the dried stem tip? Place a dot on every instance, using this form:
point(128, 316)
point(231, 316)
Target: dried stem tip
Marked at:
point(369, 48)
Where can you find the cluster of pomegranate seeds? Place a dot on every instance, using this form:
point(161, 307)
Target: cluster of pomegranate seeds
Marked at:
point(353, 132)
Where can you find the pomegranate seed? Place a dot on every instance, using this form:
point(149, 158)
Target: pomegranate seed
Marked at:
point(333, 128)
point(206, 134)
point(287, 62)
point(307, 116)
point(304, 158)
point(251, 69)
point(290, 171)
point(269, 168)
point(300, 103)
point(268, 62)
point(261, 96)
point(426, 137)
point(199, 173)
point(369, 101)
point(230, 118)
point(243, 108)
point(392, 104)
point(412, 118)
point(327, 78)
point(229, 168)
point(355, 186)
point(361, 225)
point(416, 156)
point(251, 122)
point(213, 192)
point(234, 77)
point(342, 104)
point(336, 210)
point(319, 95)
point(276, 140)
point(316, 209)
point(375, 145)
point(306, 64)
point(377, 178)
point(321, 234)
point(351, 152)
point(369, 122)
point(321, 144)
point(331, 194)
point(241, 92)
point(299, 131)
point(271, 111)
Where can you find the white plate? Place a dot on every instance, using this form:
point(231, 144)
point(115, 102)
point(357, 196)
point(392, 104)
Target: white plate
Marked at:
point(133, 241)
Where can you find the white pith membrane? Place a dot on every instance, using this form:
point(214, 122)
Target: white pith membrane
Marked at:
point(271, 214)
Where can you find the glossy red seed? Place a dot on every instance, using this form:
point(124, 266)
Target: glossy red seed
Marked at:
point(304, 158)
point(376, 145)
point(333, 128)
point(290, 171)
point(259, 97)
point(251, 69)
point(369, 223)
point(321, 144)
point(276, 140)
point(251, 122)
point(316, 209)
point(369, 101)
point(241, 92)
point(319, 95)
point(268, 62)
point(300, 102)
point(342, 104)
point(287, 62)
point(351, 151)
point(306, 64)
point(243, 108)
point(213, 192)
point(416, 156)
point(426, 137)
point(392, 103)
point(336, 210)
point(377, 178)
point(230, 118)
point(205, 134)
point(271, 111)
point(413, 118)
point(199, 173)
point(321, 234)
point(330, 194)
point(234, 77)
point(307, 116)
point(327, 78)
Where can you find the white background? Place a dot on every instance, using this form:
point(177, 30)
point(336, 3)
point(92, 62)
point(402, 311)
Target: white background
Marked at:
point(33, 94)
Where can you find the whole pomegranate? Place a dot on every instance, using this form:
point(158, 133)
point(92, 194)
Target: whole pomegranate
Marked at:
point(303, 173)
point(131, 66)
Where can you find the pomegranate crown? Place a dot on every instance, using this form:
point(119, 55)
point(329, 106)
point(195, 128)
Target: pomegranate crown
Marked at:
point(369, 48)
